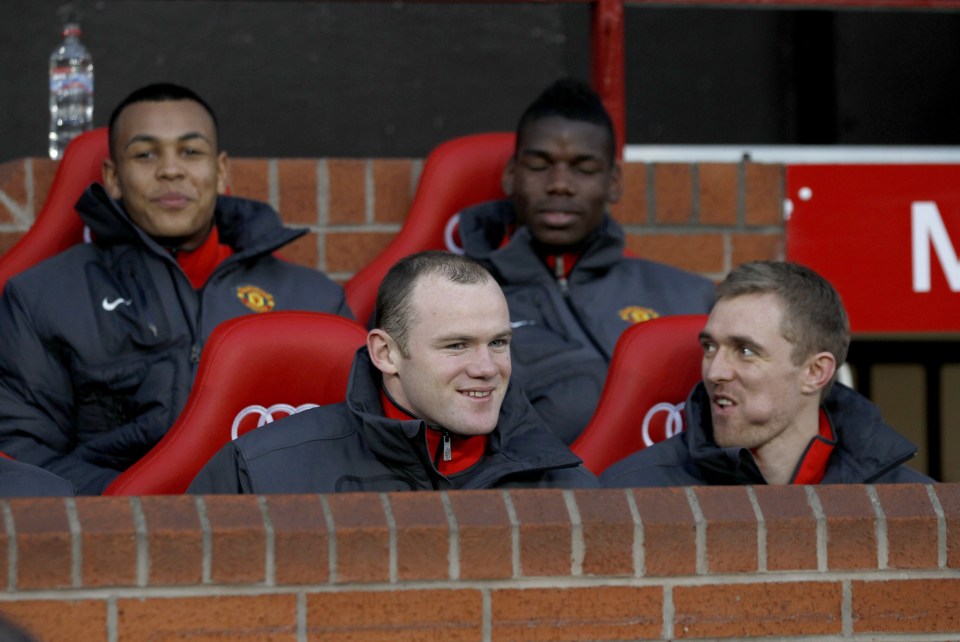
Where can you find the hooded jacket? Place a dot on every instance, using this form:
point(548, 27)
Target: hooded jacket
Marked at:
point(565, 333)
point(101, 342)
point(352, 446)
point(867, 450)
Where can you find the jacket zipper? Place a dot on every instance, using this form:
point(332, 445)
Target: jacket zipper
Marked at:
point(564, 285)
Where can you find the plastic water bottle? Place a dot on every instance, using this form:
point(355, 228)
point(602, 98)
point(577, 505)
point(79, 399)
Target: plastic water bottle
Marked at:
point(71, 91)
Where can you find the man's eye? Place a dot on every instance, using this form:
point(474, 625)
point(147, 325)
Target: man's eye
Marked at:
point(190, 151)
point(500, 343)
point(143, 155)
point(536, 165)
point(746, 351)
point(708, 348)
point(456, 346)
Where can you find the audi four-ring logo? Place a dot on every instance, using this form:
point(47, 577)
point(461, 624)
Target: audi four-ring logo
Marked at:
point(672, 426)
point(266, 414)
point(448, 235)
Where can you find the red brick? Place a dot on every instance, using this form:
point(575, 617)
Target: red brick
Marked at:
point(608, 532)
point(485, 534)
point(350, 251)
point(791, 528)
point(297, 186)
point(398, 616)
point(392, 185)
point(718, 193)
point(250, 178)
point(598, 613)
point(673, 192)
point(13, 183)
point(669, 531)
point(423, 536)
point(8, 240)
point(362, 536)
point(906, 606)
point(239, 539)
point(300, 539)
point(851, 527)
point(949, 497)
point(763, 194)
point(109, 541)
point(303, 251)
point(44, 171)
point(755, 247)
point(757, 610)
point(174, 539)
point(54, 620)
point(694, 252)
point(260, 618)
point(347, 197)
point(545, 532)
point(731, 529)
point(911, 525)
point(44, 543)
point(632, 208)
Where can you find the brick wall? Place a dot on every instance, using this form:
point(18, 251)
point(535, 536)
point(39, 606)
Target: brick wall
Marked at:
point(826, 563)
point(702, 217)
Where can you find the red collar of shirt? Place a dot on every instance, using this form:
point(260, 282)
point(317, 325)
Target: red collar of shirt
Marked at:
point(562, 264)
point(200, 263)
point(464, 451)
point(813, 464)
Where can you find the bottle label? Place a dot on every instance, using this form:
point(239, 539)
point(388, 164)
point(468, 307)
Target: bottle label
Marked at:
point(66, 79)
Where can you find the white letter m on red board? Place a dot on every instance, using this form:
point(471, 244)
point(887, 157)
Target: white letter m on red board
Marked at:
point(927, 229)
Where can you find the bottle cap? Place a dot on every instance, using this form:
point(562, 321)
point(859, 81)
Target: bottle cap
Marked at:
point(71, 29)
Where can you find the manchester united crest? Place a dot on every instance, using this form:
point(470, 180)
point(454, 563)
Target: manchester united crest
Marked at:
point(637, 314)
point(255, 298)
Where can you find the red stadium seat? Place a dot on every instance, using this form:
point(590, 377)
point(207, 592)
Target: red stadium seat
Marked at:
point(457, 174)
point(254, 369)
point(58, 226)
point(655, 365)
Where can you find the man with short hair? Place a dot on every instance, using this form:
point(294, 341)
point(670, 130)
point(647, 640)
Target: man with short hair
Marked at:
point(101, 343)
point(559, 257)
point(429, 404)
point(768, 410)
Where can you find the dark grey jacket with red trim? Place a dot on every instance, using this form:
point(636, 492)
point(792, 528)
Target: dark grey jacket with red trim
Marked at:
point(867, 451)
point(99, 344)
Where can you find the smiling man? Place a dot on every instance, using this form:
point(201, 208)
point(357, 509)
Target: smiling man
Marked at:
point(768, 410)
point(429, 404)
point(559, 257)
point(101, 343)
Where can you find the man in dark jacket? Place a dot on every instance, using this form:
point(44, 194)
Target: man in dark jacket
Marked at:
point(429, 404)
point(100, 343)
point(559, 257)
point(768, 410)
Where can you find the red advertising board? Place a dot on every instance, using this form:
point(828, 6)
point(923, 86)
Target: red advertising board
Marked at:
point(886, 236)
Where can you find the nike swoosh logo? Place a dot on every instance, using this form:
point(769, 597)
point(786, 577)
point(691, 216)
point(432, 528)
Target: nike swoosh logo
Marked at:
point(110, 306)
point(520, 324)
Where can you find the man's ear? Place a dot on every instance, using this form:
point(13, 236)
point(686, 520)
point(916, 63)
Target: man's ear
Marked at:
point(615, 189)
point(383, 350)
point(223, 173)
point(819, 372)
point(108, 171)
point(506, 179)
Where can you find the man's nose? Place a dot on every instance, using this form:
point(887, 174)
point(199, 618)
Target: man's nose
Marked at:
point(170, 165)
point(716, 367)
point(560, 179)
point(482, 364)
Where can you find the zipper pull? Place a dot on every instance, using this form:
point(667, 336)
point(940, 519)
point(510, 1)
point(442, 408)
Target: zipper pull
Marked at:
point(560, 273)
point(195, 354)
point(447, 450)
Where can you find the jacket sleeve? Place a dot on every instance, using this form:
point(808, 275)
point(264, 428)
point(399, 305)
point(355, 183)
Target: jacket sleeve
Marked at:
point(37, 423)
point(224, 474)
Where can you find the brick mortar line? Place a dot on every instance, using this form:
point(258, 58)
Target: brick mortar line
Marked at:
point(206, 573)
point(392, 563)
point(558, 583)
point(143, 542)
point(880, 528)
point(813, 500)
point(273, 184)
point(323, 192)
point(76, 543)
point(761, 531)
point(486, 612)
point(577, 545)
point(669, 613)
point(269, 544)
point(331, 539)
point(846, 608)
point(12, 548)
point(354, 227)
point(453, 540)
point(515, 561)
point(639, 550)
point(369, 193)
point(700, 536)
point(661, 229)
point(302, 617)
point(941, 526)
point(113, 620)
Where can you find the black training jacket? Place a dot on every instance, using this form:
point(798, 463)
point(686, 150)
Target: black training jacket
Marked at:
point(351, 447)
point(99, 344)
